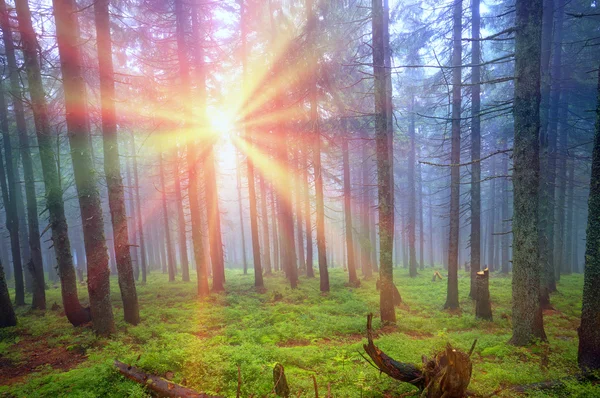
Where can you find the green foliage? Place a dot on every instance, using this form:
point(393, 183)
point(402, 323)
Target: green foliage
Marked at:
point(202, 343)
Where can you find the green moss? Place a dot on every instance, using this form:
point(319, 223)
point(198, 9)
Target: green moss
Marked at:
point(203, 342)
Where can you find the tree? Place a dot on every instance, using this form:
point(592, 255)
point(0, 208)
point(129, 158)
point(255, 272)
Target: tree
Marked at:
point(384, 165)
point(588, 355)
point(112, 167)
point(35, 267)
point(165, 214)
point(527, 313)
point(475, 241)
point(452, 294)
point(75, 313)
point(353, 278)
point(67, 37)
point(412, 198)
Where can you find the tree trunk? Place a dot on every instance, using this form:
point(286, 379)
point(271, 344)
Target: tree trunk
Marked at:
point(412, 199)
point(307, 212)
point(316, 155)
point(385, 188)
point(166, 226)
point(214, 218)
point(10, 204)
point(298, 205)
point(452, 293)
point(54, 200)
point(561, 187)
point(491, 217)
point(568, 258)
point(35, 264)
point(276, 256)
point(364, 236)
point(506, 216)
point(238, 178)
point(112, 169)
point(481, 293)
point(67, 36)
point(352, 276)
point(527, 313)
point(589, 332)
point(475, 240)
point(265, 223)
point(420, 200)
point(140, 219)
point(181, 224)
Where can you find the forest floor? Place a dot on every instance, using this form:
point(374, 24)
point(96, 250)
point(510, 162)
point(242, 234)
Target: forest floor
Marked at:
point(202, 343)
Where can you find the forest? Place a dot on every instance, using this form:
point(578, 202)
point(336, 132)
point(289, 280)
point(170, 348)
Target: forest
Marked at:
point(313, 198)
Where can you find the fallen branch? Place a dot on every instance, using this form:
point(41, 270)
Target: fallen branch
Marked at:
point(160, 386)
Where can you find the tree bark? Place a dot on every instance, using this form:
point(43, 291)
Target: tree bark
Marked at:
point(384, 165)
point(140, 218)
point(181, 224)
point(35, 265)
point(589, 332)
point(475, 239)
point(67, 36)
point(75, 313)
point(7, 313)
point(166, 226)
point(481, 293)
point(112, 168)
point(238, 178)
point(265, 223)
point(452, 293)
point(412, 199)
point(527, 313)
point(352, 276)
point(307, 212)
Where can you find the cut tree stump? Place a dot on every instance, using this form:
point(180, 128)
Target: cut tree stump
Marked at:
point(483, 306)
point(446, 375)
point(281, 386)
point(160, 386)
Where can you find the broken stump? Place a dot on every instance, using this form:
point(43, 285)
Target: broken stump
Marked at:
point(483, 305)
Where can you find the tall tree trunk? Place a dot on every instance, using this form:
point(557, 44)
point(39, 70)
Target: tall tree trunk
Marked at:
point(353, 278)
point(238, 178)
point(491, 261)
point(364, 236)
point(452, 293)
point(265, 222)
point(166, 226)
point(384, 169)
point(419, 178)
point(214, 219)
point(316, 153)
point(298, 205)
point(54, 200)
point(193, 157)
point(10, 204)
point(412, 199)
point(35, 267)
point(112, 168)
point(138, 206)
point(307, 211)
point(431, 248)
point(67, 37)
point(561, 187)
point(131, 225)
point(475, 241)
point(526, 310)
point(589, 332)
point(569, 232)
point(258, 276)
point(183, 256)
point(505, 263)
point(276, 257)
point(546, 216)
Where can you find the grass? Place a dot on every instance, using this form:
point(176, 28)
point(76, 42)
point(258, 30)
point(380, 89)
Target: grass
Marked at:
point(202, 343)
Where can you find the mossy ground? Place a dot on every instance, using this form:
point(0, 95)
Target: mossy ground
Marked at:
point(202, 343)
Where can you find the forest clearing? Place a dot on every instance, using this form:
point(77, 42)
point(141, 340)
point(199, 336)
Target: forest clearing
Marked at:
point(202, 343)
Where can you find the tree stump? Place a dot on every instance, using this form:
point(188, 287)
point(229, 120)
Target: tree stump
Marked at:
point(281, 386)
point(446, 375)
point(483, 306)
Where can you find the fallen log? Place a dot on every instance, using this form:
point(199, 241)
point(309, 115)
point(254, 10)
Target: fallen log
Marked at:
point(446, 375)
point(162, 387)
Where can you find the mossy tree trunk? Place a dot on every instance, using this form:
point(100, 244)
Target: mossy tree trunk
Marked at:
point(112, 167)
point(75, 313)
point(526, 310)
point(589, 331)
point(35, 266)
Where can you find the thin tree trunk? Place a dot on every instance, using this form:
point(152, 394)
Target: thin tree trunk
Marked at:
point(307, 212)
point(527, 314)
point(265, 223)
point(353, 278)
point(569, 232)
point(183, 251)
point(238, 176)
point(561, 188)
point(491, 262)
point(131, 226)
point(412, 199)
point(112, 169)
point(138, 206)
point(365, 239)
point(421, 231)
point(67, 37)
point(166, 226)
point(452, 293)
point(505, 213)
point(298, 206)
point(275, 231)
point(475, 241)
